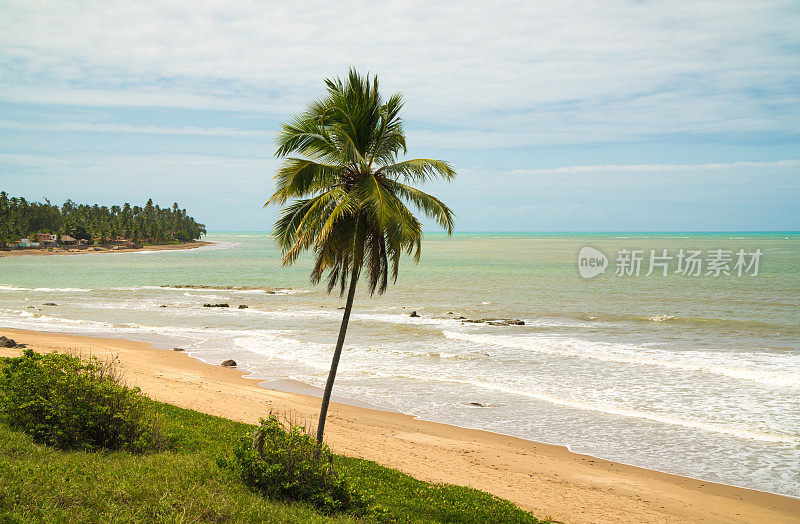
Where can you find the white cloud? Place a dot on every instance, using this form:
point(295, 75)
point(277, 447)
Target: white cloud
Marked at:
point(89, 127)
point(567, 71)
point(659, 168)
point(110, 162)
point(124, 164)
point(167, 96)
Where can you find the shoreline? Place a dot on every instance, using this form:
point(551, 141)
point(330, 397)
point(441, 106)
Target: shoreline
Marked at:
point(304, 389)
point(547, 479)
point(65, 250)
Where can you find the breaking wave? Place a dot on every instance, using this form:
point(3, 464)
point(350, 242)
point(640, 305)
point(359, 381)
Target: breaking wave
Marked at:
point(692, 361)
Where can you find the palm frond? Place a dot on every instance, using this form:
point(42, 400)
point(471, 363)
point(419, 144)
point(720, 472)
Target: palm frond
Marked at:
point(298, 177)
point(299, 231)
point(375, 200)
point(428, 204)
point(308, 136)
point(389, 139)
point(419, 170)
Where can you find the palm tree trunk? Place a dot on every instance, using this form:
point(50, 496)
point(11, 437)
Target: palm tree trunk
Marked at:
point(326, 397)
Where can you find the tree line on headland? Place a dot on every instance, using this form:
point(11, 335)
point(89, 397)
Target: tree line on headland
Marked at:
point(20, 218)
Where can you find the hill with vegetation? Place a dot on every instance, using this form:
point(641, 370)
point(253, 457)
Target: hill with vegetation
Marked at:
point(150, 223)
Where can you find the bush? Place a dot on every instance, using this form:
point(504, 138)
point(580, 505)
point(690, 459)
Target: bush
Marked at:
point(287, 466)
point(70, 403)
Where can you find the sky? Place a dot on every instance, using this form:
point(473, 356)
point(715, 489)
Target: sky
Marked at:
point(558, 116)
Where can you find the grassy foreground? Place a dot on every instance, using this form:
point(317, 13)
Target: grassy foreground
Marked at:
point(41, 484)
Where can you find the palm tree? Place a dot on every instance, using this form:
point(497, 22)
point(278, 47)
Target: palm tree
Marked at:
point(349, 193)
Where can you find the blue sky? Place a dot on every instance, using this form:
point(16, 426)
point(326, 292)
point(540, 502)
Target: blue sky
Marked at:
point(559, 116)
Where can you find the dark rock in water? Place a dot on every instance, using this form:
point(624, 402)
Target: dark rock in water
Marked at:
point(270, 292)
point(49, 304)
point(494, 321)
point(178, 349)
point(461, 318)
point(243, 306)
point(477, 404)
point(413, 314)
point(8, 342)
point(507, 322)
point(163, 305)
point(216, 305)
point(230, 363)
point(450, 313)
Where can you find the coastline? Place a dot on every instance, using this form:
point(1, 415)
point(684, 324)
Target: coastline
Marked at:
point(548, 479)
point(98, 249)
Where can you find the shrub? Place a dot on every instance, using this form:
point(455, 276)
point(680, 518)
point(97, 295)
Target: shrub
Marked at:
point(70, 403)
point(288, 466)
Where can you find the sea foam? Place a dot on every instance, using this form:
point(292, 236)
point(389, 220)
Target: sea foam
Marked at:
point(613, 409)
point(692, 361)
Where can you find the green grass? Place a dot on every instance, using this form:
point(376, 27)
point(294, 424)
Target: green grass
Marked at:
point(41, 484)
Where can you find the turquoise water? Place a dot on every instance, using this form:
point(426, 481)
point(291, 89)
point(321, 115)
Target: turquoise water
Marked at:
point(695, 375)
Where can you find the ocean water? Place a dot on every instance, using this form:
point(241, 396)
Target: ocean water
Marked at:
point(694, 375)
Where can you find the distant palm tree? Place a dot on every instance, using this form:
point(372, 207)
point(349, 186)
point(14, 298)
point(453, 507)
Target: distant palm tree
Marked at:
point(347, 190)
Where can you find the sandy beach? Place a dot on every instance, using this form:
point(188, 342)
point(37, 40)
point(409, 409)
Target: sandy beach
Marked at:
point(549, 480)
point(68, 250)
